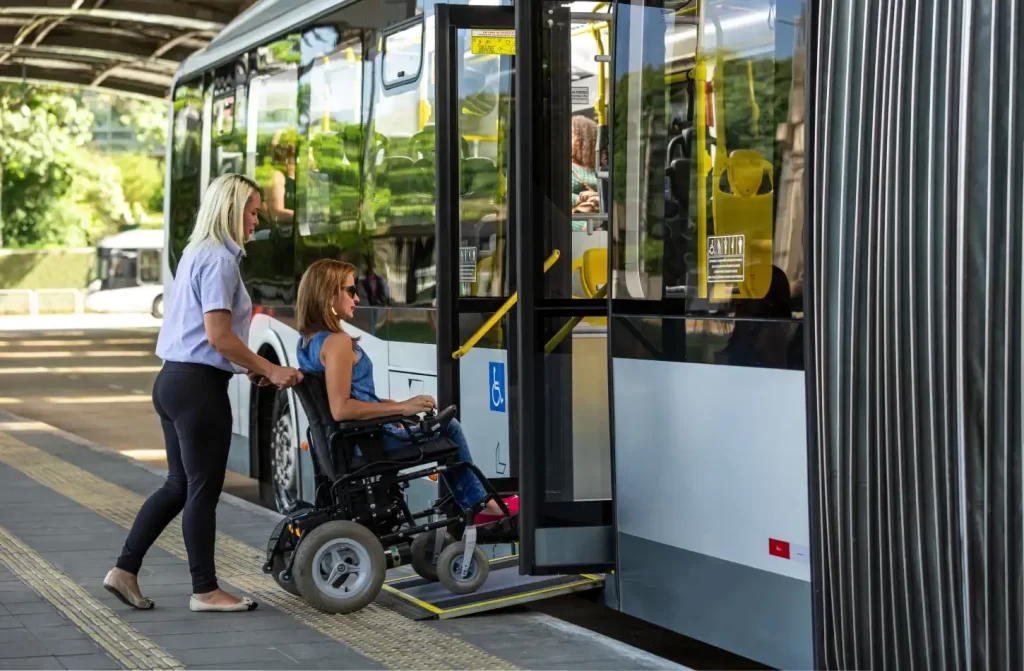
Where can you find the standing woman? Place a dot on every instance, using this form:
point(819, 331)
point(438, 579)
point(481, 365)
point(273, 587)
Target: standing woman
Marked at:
point(202, 343)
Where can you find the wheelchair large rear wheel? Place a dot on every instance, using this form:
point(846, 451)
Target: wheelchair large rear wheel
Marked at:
point(339, 567)
point(449, 569)
point(422, 550)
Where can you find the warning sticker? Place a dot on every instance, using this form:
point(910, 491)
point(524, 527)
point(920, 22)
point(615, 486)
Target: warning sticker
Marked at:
point(725, 258)
point(580, 95)
point(467, 264)
point(501, 42)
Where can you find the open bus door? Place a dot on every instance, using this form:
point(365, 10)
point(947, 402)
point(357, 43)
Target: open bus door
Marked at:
point(563, 423)
point(496, 155)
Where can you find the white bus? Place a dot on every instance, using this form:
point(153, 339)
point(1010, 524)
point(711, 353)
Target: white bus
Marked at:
point(646, 396)
point(129, 273)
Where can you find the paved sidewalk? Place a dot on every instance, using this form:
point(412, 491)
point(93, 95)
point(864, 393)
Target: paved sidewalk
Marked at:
point(64, 510)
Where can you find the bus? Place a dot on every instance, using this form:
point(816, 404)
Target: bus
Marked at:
point(588, 235)
point(129, 273)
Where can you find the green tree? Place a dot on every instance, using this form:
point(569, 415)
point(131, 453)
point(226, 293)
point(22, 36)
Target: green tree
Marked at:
point(53, 191)
point(142, 180)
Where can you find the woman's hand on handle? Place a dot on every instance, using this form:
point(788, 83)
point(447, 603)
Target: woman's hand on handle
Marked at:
point(418, 404)
point(284, 377)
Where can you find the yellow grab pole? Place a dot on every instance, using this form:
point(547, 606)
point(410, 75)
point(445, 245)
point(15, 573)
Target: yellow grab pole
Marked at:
point(496, 317)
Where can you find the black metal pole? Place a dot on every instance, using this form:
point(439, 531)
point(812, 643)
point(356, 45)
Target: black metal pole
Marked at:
point(528, 432)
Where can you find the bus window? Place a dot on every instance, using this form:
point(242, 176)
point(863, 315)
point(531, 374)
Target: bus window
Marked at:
point(403, 54)
point(274, 98)
point(228, 117)
point(186, 155)
point(334, 159)
point(149, 266)
point(708, 173)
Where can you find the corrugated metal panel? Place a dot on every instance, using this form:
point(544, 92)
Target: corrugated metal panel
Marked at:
point(915, 259)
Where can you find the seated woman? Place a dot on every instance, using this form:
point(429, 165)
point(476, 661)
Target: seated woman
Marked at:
point(327, 296)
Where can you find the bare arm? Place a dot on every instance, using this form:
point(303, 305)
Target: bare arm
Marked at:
point(228, 345)
point(338, 358)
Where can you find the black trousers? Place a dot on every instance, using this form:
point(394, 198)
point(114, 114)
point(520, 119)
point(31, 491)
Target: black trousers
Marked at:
point(194, 409)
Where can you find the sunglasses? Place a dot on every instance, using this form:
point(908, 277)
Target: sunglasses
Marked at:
point(350, 290)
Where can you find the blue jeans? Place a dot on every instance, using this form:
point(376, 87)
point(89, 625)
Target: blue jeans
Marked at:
point(462, 482)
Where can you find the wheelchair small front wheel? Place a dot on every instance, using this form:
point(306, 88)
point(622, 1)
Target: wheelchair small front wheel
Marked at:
point(339, 567)
point(449, 569)
point(422, 550)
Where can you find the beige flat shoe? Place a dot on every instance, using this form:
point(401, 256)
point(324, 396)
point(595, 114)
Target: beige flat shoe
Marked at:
point(245, 605)
point(120, 589)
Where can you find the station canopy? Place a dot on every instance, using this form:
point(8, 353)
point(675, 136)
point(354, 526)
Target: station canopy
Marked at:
point(128, 46)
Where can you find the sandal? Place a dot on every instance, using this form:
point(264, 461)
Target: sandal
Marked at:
point(116, 586)
point(512, 503)
point(245, 605)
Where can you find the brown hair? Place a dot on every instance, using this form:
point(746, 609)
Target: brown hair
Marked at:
point(584, 142)
point(319, 286)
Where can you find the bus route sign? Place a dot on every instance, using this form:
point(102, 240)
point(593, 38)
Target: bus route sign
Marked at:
point(725, 258)
point(500, 42)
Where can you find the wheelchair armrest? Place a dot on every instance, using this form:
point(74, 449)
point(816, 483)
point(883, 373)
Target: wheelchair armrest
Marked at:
point(356, 426)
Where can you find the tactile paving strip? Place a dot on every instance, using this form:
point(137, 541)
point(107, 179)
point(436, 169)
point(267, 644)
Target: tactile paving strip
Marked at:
point(375, 632)
point(121, 641)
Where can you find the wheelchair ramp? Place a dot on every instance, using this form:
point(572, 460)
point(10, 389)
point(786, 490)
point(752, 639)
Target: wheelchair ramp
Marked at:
point(421, 599)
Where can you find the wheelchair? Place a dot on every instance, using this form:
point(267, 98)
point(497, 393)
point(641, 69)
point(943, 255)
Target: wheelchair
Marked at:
point(335, 552)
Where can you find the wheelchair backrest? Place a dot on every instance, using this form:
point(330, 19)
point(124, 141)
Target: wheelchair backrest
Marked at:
point(312, 393)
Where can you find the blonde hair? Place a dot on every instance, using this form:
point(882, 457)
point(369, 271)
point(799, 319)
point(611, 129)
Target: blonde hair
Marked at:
point(584, 141)
point(221, 215)
point(319, 286)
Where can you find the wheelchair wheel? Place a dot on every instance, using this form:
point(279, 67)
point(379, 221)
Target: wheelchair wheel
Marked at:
point(449, 569)
point(339, 567)
point(422, 550)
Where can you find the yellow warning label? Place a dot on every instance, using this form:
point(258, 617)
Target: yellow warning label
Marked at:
point(501, 42)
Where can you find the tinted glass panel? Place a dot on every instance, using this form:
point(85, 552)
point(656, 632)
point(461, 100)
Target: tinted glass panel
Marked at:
point(186, 162)
point(709, 158)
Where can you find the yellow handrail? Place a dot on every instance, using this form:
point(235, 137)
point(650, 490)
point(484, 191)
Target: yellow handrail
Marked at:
point(557, 339)
point(496, 317)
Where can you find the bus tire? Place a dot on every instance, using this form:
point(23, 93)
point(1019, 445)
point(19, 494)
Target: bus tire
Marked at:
point(279, 485)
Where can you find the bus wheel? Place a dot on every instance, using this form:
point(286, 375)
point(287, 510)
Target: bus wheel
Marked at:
point(158, 307)
point(279, 485)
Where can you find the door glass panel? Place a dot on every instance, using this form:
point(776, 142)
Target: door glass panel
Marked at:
point(572, 116)
point(484, 111)
point(484, 86)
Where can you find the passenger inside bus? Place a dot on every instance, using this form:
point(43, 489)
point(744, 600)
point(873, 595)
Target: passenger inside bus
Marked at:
point(584, 168)
point(281, 202)
point(327, 296)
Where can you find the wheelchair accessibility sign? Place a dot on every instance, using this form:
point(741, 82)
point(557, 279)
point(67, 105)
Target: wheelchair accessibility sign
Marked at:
point(497, 385)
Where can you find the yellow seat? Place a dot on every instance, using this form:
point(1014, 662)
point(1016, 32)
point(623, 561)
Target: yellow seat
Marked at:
point(593, 269)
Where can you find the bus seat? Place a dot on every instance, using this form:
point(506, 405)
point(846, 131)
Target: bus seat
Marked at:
point(745, 208)
point(479, 176)
point(593, 269)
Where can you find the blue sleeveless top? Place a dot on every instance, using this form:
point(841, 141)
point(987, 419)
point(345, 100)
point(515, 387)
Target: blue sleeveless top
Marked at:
point(362, 372)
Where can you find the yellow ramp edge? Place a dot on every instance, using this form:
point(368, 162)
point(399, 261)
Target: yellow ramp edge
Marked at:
point(375, 632)
point(118, 638)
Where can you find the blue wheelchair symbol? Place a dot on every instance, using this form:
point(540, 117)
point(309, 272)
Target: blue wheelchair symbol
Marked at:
point(497, 386)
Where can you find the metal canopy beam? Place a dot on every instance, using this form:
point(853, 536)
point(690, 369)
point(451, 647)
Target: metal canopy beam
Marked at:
point(50, 77)
point(144, 16)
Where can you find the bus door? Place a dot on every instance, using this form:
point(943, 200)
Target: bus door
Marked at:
point(474, 57)
point(563, 94)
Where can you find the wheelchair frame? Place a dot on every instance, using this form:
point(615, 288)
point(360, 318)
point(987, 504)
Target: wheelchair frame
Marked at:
point(369, 490)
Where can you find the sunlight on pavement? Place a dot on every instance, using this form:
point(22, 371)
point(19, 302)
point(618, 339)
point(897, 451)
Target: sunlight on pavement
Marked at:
point(108, 354)
point(76, 343)
point(140, 398)
point(145, 455)
point(83, 370)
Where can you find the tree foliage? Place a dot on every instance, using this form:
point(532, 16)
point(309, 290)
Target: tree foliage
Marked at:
point(55, 190)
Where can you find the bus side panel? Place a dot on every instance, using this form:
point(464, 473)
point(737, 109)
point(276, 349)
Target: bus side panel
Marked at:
point(711, 487)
